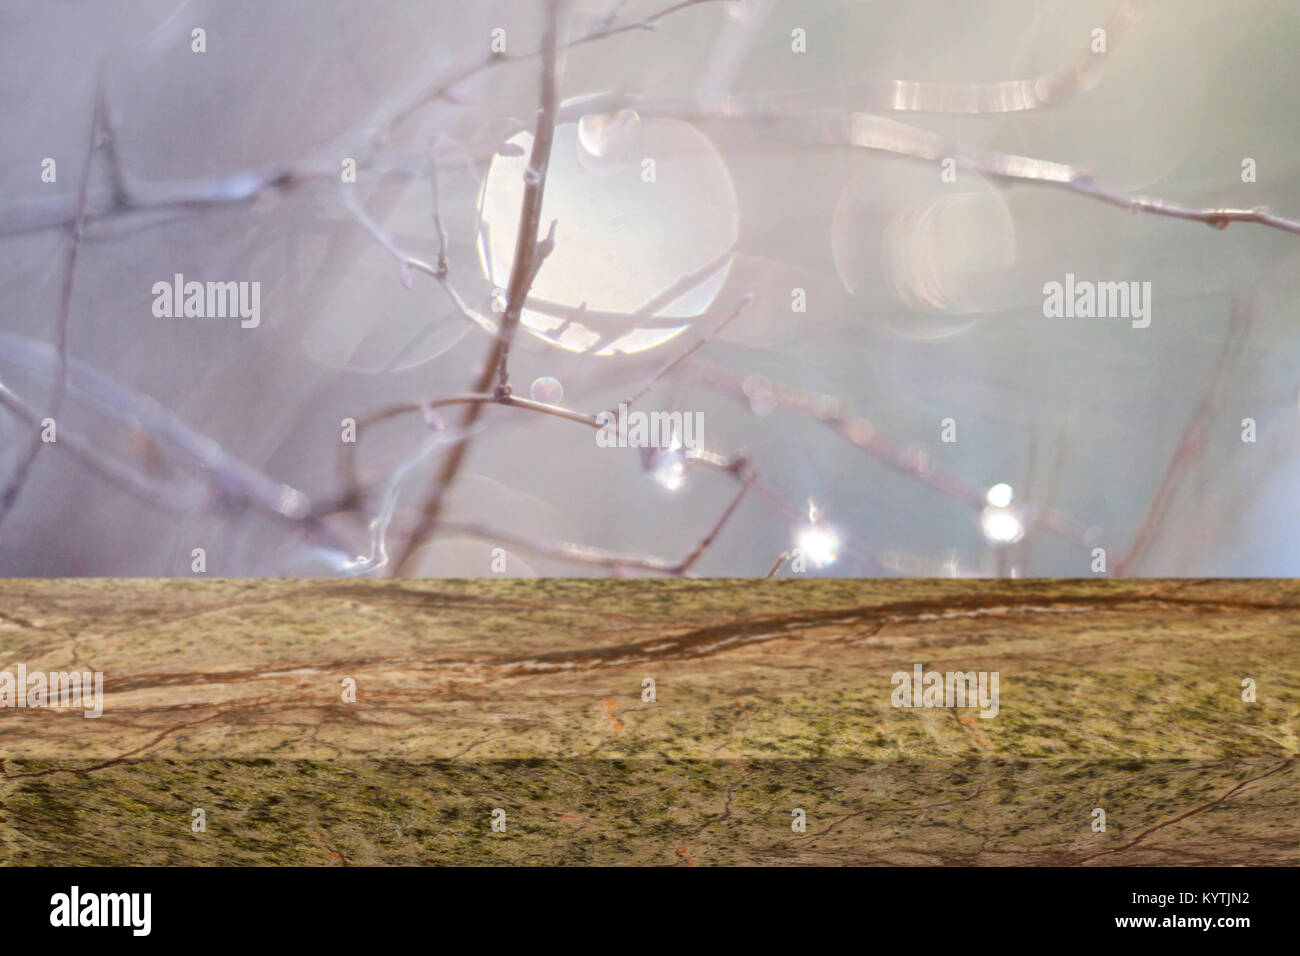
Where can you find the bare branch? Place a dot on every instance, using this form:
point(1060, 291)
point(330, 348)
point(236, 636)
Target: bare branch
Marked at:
point(836, 128)
point(530, 251)
point(877, 133)
point(155, 493)
point(11, 489)
point(613, 560)
point(976, 99)
point(514, 401)
point(150, 203)
point(437, 219)
point(864, 435)
point(429, 408)
point(677, 360)
point(438, 272)
point(229, 481)
point(1192, 442)
point(528, 257)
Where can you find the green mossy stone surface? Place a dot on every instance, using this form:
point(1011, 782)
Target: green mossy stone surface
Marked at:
point(772, 696)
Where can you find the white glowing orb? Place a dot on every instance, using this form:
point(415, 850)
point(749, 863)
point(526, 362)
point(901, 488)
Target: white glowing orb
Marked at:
point(819, 544)
point(646, 219)
point(668, 468)
point(1000, 495)
point(1001, 525)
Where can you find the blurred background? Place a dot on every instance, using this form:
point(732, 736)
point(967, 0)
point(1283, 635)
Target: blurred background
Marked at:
point(922, 299)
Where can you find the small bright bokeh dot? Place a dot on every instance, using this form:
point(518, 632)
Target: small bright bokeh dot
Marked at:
point(1000, 495)
point(669, 468)
point(1001, 525)
point(820, 545)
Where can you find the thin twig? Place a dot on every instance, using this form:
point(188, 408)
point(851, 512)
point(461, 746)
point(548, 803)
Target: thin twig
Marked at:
point(746, 482)
point(1192, 441)
point(351, 205)
point(614, 560)
point(976, 99)
point(154, 493)
point(826, 126)
point(837, 128)
point(153, 203)
point(9, 495)
point(347, 461)
point(677, 360)
point(437, 217)
point(228, 480)
point(784, 556)
point(529, 253)
point(877, 133)
point(834, 413)
point(515, 401)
